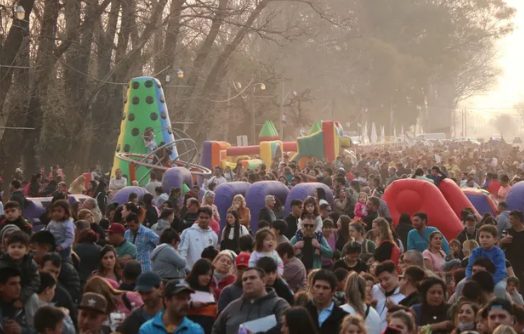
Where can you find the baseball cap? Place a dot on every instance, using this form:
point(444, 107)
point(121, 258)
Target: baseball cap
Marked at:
point(94, 302)
point(116, 228)
point(242, 260)
point(341, 169)
point(175, 287)
point(447, 266)
point(471, 216)
point(147, 281)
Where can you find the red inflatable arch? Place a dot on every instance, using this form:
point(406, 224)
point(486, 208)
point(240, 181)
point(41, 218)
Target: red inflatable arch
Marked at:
point(411, 196)
point(455, 197)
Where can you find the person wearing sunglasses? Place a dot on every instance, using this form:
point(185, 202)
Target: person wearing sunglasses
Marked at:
point(306, 248)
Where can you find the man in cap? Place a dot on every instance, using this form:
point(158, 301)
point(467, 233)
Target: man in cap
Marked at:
point(234, 291)
point(125, 250)
point(92, 313)
point(470, 232)
point(173, 318)
point(149, 286)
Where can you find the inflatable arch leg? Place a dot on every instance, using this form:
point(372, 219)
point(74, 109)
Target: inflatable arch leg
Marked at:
point(304, 190)
point(224, 194)
point(256, 194)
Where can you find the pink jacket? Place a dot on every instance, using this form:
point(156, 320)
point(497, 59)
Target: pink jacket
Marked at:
point(360, 210)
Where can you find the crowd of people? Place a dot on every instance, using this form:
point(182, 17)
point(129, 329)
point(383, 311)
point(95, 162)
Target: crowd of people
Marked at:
point(170, 263)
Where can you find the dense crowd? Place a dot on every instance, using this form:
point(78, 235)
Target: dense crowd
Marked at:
point(169, 263)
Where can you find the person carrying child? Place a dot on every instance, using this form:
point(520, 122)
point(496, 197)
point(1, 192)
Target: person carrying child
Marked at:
point(487, 238)
point(310, 207)
point(17, 256)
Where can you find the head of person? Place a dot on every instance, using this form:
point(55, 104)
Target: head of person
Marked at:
point(353, 251)
point(381, 229)
point(49, 320)
point(115, 233)
point(279, 227)
point(223, 262)
point(324, 209)
point(60, 210)
point(10, 284)
point(286, 252)
point(12, 211)
point(468, 246)
point(270, 268)
point(239, 201)
point(323, 287)
point(171, 237)
point(204, 215)
point(17, 245)
point(488, 235)
point(118, 173)
point(130, 272)
point(209, 198)
point(46, 291)
point(133, 222)
point(176, 298)
point(200, 276)
point(353, 324)
point(270, 201)
point(386, 274)
point(297, 320)
point(241, 263)
point(499, 312)
point(516, 218)
point(502, 206)
point(192, 205)
point(51, 263)
point(149, 286)
point(433, 292)
point(131, 207)
point(420, 220)
point(355, 291)
point(504, 180)
point(470, 220)
point(435, 240)
point(246, 243)
point(253, 282)
point(403, 322)
point(410, 280)
point(372, 204)
point(465, 316)
point(87, 215)
point(264, 241)
point(92, 312)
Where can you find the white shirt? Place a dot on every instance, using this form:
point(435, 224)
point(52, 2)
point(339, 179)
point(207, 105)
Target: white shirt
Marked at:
point(378, 293)
point(216, 180)
point(372, 320)
point(115, 184)
point(150, 187)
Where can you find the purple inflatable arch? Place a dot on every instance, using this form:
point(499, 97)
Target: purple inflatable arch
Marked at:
point(175, 177)
point(304, 190)
point(36, 207)
point(256, 194)
point(123, 194)
point(224, 194)
point(515, 198)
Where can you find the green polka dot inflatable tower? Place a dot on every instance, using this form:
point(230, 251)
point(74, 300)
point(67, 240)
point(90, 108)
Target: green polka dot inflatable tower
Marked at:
point(145, 121)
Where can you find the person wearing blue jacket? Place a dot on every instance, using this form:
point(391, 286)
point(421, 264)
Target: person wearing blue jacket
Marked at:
point(418, 238)
point(488, 249)
point(173, 319)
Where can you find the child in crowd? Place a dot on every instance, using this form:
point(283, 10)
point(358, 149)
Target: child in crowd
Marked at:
point(263, 224)
point(310, 206)
point(467, 247)
point(360, 207)
point(513, 290)
point(62, 228)
point(265, 244)
point(17, 257)
point(149, 140)
point(13, 216)
point(488, 237)
point(342, 275)
point(454, 249)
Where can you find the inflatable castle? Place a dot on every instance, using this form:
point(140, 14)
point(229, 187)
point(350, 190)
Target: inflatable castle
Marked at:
point(326, 140)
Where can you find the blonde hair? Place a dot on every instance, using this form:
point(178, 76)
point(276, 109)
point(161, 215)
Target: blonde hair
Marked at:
point(355, 320)
point(385, 230)
point(99, 285)
point(242, 199)
point(225, 253)
point(356, 292)
point(468, 246)
point(362, 194)
point(503, 329)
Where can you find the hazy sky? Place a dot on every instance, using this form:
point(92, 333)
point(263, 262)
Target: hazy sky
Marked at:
point(510, 87)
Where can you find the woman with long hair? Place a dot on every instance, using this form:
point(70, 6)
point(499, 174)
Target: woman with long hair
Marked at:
point(355, 291)
point(131, 207)
point(343, 236)
point(101, 196)
point(152, 212)
point(91, 188)
point(244, 214)
point(232, 232)
point(434, 256)
point(109, 267)
point(433, 311)
point(297, 320)
point(358, 234)
point(403, 322)
point(465, 317)
point(92, 205)
point(77, 186)
point(117, 301)
point(387, 249)
point(88, 252)
point(209, 200)
point(199, 279)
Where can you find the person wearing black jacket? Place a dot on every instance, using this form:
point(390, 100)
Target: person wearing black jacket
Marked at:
point(270, 267)
point(148, 286)
point(267, 213)
point(323, 289)
point(404, 226)
point(292, 218)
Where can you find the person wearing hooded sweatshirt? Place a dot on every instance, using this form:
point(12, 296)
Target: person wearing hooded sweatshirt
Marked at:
point(196, 238)
point(164, 222)
point(166, 262)
point(256, 302)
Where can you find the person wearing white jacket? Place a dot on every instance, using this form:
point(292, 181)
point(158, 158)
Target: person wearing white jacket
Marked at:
point(196, 238)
